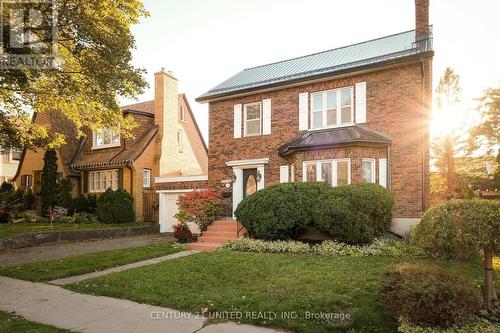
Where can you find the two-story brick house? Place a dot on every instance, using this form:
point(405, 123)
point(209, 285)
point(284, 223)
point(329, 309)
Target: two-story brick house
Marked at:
point(354, 114)
point(167, 142)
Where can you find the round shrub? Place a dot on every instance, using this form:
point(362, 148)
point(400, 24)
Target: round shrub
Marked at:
point(115, 207)
point(280, 211)
point(458, 229)
point(85, 218)
point(429, 296)
point(355, 214)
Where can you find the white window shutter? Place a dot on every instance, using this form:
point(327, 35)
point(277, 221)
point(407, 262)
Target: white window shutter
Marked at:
point(361, 103)
point(303, 111)
point(382, 172)
point(292, 173)
point(266, 115)
point(237, 121)
point(284, 174)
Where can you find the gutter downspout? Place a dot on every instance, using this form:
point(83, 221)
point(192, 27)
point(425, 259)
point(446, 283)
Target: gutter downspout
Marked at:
point(422, 66)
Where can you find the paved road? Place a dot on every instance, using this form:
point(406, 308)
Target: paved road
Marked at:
point(65, 249)
point(52, 305)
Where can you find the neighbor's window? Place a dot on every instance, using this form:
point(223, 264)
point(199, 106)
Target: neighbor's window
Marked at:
point(368, 170)
point(26, 181)
point(100, 181)
point(332, 108)
point(15, 155)
point(180, 141)
point(146, 178)
point(106, 137)
point(182, 116)
point(253, 119)
point(333, 172)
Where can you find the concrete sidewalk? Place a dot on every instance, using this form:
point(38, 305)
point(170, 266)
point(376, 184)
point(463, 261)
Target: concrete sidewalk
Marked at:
point(78, 278)
point(52, 305)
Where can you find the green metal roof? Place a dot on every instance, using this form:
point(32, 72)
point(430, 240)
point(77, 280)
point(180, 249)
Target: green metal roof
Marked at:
point(371, 52)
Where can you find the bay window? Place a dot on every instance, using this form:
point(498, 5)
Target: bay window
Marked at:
point(332, 108)
point(334, 172)
point(100, 181)
point(368, 170)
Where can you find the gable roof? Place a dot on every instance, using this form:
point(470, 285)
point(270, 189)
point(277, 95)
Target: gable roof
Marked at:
point(347, 58)
point(334, 137)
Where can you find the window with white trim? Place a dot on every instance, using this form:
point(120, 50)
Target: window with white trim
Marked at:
point(334, 172)
point(100, 181)
point(105, 138)
point(332, 108)
point(368, 166)
point(146, 178)
point(253, 119)
point(182, 116)
point(180, 140)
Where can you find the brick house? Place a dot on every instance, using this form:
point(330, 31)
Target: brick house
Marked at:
point(354, 114)
point(9, 160)
point(167, 141)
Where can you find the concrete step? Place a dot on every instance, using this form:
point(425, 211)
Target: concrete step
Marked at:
point(203, 247)
point(215, 233)
point(215, 239)
point(223, 222)
point(223, 228)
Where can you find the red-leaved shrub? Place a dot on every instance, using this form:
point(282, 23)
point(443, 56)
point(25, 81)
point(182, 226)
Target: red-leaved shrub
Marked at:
point(201, 207)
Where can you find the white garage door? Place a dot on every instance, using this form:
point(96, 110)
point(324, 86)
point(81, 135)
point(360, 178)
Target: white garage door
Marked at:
point(168, 208)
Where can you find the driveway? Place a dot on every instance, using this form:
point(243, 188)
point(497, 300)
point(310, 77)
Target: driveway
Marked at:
point(65, 249)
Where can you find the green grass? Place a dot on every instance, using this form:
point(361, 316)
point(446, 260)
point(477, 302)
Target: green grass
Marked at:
point(10, 323)
point(9, 229)
point(237, 281)
point(76, 265)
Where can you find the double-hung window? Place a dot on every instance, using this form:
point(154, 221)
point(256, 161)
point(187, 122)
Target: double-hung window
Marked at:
point(334, 172)
point(332, 108)
point(253, 119)
point(100, 181)
point(146, 178)
point(368, 170)
point(105, 138)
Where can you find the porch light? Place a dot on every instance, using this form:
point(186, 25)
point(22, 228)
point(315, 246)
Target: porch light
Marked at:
point(259, 176)
point(233, 178)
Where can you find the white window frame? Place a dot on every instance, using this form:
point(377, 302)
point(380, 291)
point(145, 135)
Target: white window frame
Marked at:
point(182, 115)
point(146, 178)
point(180, 140)
point(324, 110)
point(245, 132)
point(100, 180)
point(115, 139)
point(334, 163)
point(373, 168)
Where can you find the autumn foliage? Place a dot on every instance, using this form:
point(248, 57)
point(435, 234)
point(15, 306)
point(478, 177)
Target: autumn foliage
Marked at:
point(201, 207)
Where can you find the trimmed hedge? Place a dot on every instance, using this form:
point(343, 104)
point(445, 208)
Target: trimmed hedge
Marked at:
point(115, 207)
point(429, 296)
point(354, 214)
point(458, 229)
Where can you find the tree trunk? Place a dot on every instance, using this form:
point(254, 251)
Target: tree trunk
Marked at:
point(490, 294)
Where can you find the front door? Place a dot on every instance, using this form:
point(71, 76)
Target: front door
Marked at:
point(249, 182)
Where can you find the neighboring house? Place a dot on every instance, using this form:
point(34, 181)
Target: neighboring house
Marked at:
point(9, 160)
point(166, 141)
point(354, 114)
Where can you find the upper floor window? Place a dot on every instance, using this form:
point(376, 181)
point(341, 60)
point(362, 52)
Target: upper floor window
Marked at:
point(368, 170)
point(253, 119)
point(15, 155)
point(100, 181)
point(105, 138)
point(182, 115)
point(332, 108)
point(180, 140)
point(334, 172)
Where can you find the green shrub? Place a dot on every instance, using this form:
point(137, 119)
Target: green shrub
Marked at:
point(474, 326)
point(429, 296)
point(354, 214)
point(28, 217)
point(63, 196)
point(29, 199)
point(458, 229)
point(85, 218)
point(6, 187)
point(115, 207)
point(84, 204)
point(64, 220)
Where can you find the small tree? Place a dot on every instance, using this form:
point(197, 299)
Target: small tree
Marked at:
point(49, 180)
point(201, 207)
point(64, 193)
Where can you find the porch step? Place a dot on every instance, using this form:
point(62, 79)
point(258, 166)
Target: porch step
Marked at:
point(217, 233)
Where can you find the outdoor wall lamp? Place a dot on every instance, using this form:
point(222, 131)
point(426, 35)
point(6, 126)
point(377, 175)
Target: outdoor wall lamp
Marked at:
point(259, 176)
point(233, 178)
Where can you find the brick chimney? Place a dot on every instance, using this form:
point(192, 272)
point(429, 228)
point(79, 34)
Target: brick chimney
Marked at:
point(165, 108)
point(422, 19)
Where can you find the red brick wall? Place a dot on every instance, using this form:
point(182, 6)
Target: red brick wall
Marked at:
point(394, 99)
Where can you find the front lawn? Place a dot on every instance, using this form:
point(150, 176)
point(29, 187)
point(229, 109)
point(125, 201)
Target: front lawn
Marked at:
point(9, 229)
point(76, 265)
point(10, 323)
point(279, 283)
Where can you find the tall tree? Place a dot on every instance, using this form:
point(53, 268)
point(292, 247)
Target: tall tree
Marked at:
point(447, 98)
point(485, 135)
point(49, 186)
point(91, 72)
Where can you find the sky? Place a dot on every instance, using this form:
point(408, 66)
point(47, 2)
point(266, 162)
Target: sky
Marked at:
point(204, 42)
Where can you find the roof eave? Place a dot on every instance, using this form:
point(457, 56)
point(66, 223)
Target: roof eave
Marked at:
point(294, 149)
point(369, 67)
